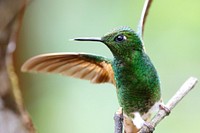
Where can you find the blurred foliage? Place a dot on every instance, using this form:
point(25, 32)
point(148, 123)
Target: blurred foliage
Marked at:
point(61, 104)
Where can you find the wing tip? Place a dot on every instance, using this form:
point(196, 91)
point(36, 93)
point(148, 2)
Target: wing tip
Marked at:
point(27, 66)
point(24, 67)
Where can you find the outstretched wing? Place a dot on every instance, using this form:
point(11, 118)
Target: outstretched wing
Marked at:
point(95, 68)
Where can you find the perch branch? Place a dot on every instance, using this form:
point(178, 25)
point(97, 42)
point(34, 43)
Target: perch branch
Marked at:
point(183, 91)
point(118, 118)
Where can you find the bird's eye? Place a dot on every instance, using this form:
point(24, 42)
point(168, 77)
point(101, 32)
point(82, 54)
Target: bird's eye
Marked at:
point(120, 38)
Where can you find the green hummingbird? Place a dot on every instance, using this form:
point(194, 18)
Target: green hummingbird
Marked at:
point(131, 71)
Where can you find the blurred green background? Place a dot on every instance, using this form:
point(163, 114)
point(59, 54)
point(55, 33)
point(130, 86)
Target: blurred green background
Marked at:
point(61, 104)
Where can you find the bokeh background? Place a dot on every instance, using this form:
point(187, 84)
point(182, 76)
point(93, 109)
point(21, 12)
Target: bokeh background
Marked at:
point(61, 104)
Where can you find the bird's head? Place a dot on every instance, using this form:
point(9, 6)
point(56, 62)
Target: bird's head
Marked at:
point(120, 41)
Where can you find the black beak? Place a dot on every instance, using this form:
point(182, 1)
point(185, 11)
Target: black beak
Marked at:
point(96, 39)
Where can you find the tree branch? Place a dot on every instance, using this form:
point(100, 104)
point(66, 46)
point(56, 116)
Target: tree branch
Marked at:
point(143, 18)
point(118, 118)
point(13, 116)
point(183, 91)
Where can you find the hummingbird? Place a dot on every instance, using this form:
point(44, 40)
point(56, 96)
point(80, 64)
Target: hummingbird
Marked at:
point(130, 71)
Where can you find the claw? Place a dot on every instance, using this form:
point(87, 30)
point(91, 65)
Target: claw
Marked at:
point(149, 126)
point(166, 109)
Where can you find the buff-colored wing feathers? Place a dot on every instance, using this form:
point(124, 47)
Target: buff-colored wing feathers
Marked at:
point(95, 68)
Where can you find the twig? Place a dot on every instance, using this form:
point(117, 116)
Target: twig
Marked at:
point(118, 118)
point(185, 88)
point(143, 18)
point(13, 116)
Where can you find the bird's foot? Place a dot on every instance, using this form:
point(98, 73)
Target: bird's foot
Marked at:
point(166, 109)
point(150, 127)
